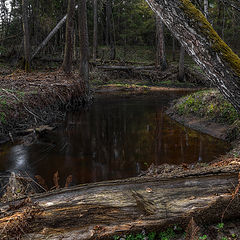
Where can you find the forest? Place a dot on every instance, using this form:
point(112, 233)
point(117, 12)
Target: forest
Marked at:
point(120, 119)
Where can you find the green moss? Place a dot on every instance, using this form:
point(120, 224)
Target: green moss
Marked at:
point(217, 44)
point(3, 117)
point(208, 104)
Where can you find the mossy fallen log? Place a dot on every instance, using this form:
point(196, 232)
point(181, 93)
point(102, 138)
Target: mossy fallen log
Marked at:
point(101, 210)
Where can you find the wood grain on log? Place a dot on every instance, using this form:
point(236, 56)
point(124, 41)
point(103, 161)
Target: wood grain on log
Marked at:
point(100, 210)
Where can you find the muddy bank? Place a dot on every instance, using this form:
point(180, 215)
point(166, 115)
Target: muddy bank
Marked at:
point(202, 125)
point(30, 101)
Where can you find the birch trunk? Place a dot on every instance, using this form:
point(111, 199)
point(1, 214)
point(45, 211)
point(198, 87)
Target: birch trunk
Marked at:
point(160, 53)
point(50, 35)
point(205, 5)
point(209, 51)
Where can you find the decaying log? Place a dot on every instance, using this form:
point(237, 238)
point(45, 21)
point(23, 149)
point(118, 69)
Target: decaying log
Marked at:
point(126, 68)
point(100, 210)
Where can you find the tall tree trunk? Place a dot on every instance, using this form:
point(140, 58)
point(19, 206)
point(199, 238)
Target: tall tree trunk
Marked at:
point(209, 51)
point(109, 30)
point(84, 46)
point(69, 41)
point(95, 28)
point(181, 70)
point(173, 49)
point(160, 44)
point(205, 5)
point(26, 36)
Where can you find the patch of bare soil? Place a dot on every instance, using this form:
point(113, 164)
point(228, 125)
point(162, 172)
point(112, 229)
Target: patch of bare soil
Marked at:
point(200, 124)
point(28, 100)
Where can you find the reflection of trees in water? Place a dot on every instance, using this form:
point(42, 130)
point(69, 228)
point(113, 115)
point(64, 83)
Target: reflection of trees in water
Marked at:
point(115, 141)
point(111, 142)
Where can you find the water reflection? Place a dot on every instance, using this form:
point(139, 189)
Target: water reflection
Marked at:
point(18, 157)
point(115, 138)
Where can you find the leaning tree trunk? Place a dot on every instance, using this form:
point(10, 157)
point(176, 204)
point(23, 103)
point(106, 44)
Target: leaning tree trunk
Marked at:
point(208, 50)
point(50, 35)
point(68, 53)
point(84, 45)
point(160, 45)
point(26, 36)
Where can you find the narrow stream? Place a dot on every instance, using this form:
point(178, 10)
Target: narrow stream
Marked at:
point(115, 138)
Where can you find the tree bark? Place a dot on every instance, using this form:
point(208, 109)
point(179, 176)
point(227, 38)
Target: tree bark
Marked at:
point(69, 41)
point(26, 36)
point(181, 71)
point(101, 210)
point(95, 29)
point(109, 30)
point(205, 7)
point(208, 50)
point(160, 45)
point(173, 49)
point(84, 45)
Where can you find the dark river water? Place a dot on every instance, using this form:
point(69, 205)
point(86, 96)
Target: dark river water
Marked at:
point(115, 138)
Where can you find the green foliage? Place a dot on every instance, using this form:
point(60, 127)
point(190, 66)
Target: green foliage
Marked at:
point(220, 226)
point(233, 235)
point(164, 235)
point(167, 235)
point(152, 235)
point(209, 104)
point(3, 117)
point(203, 237)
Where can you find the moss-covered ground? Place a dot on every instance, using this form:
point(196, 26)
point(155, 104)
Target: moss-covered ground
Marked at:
point(209, 104)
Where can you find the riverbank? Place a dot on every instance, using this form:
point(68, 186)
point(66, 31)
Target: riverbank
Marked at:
point(38, 101)
point(208, 112)
point(35, 100)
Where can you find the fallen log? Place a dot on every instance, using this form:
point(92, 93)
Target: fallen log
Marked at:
point(100, 210)
point(125, 68)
